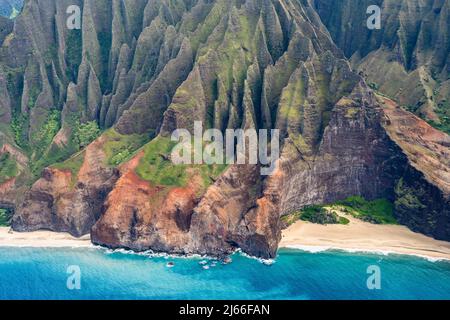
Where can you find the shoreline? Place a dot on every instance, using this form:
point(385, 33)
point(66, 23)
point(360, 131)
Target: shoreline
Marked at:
point(363, 237)
point(356, 237)
point(381, 253)
point(41, 239)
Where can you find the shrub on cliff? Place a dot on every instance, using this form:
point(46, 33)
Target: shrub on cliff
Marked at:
point(314, 214)
point(8, 167)
point(379, 211)
point(319, 215)
point(5, 217)
point(86, 133)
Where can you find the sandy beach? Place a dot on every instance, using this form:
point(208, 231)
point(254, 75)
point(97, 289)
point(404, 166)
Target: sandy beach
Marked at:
point(358, 236)
point(41, 239)
point(361, 236)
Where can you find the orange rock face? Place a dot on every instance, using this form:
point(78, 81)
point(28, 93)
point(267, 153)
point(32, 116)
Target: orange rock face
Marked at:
point(10, 192)
point(428, 149)
point(140, 216)
point(232, 213)
point(242, 209)
point(64, 203)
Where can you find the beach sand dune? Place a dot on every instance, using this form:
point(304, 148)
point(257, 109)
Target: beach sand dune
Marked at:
point(359, 236)
point(41, 239)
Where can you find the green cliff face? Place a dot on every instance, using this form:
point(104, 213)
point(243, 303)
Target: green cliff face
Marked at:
point(407, 59)
point(86, 115)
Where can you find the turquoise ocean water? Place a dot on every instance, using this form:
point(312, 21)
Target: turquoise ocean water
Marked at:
point(30, 273)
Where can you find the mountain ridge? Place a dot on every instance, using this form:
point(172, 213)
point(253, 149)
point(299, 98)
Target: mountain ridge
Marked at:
point(138, 70)
point(408, 59)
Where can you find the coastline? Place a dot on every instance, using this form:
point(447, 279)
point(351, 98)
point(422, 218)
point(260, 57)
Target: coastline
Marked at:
point(357, 236)
point(42, 239)
point(363, 237)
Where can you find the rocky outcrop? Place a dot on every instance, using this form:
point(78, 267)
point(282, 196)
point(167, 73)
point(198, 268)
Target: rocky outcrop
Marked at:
point(422, 193)
point(146, 68)
point(13, 168)
point(67, 200)
point(355, 156)
point(235, 213)
point(407, 58)
point(126, 57)
point(5, 102)
point(53, 78)
point(236, 86)
point(137, 216)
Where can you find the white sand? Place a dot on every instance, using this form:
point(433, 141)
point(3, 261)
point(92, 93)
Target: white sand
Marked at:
point(361, 236)
point(41, 239)
point(357, 236)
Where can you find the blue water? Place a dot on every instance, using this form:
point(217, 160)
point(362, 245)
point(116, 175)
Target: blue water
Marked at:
point(27, 273)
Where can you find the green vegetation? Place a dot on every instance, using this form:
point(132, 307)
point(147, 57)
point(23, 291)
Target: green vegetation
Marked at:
point(47, 132)
point(352, 113)
point(72, 164)
point(53, 154)
point(14, 84)
point(105, 40)
point(320, 215)
point(374, 86)
point(443, 112)
point(19, 127)
point(315, 214)
point(444, 124)
point(41, 149)
point(87, 132)
point(157, 168)
point(8, 167)
point(74, 53)
point(5, 217)
point(379, 211)
point(44, 153)
point(290, 219)
point(205, 29)
point(34, 93)
point(51, 54)
point(40, 140)
point(120, 157)
point(120, 148)
point(407, 198)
